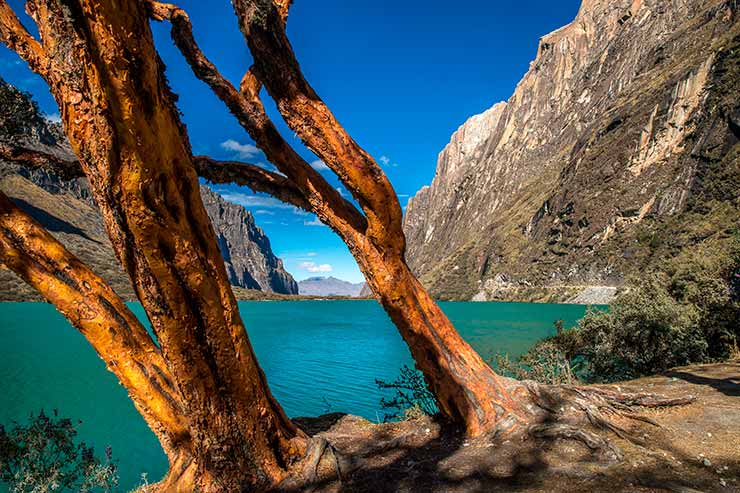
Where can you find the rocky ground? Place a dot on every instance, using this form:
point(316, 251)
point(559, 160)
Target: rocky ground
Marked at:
point(695, 448)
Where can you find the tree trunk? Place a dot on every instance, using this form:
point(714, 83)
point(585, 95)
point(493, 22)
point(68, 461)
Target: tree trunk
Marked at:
point(119, 114)
point(467, 389)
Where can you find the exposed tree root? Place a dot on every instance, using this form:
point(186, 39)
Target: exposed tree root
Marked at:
point(568, 432)
point(576, 413)
point(309, 472)
point(568, 410)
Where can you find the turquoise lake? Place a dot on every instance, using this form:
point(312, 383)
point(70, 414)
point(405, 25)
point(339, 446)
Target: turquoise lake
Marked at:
point(319, 356)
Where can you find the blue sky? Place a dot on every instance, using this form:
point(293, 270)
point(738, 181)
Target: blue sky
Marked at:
point(400, 76)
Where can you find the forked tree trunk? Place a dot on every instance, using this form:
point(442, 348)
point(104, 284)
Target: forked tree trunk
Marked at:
point(468, 391)
point(211, 407)
point(99, 60)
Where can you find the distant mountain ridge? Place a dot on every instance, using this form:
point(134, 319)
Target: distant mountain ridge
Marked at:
point(67, 210)
point(329, 286)
point(618, 149)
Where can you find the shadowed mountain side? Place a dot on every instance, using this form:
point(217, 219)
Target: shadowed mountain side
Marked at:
point(67, 210)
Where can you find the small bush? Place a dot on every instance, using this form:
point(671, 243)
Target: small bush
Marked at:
point(713, 291)
point(546, 362)
point(43, 457)
point(412, 397)
point(687, 315)
point(645, 332)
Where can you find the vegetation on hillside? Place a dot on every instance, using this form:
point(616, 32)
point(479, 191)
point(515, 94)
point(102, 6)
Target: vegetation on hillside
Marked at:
point(20, 112)
point(688, 314)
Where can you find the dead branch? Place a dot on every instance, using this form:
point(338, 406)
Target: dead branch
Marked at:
point(38, 159)
point(254, 177)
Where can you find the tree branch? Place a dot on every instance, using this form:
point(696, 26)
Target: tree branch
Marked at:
point(97, 312)
point(254, 177)
point(36, 159)
point(325, 200)
point(243, 174)
point(18, 39)
point(308, 116)
point(283, 6)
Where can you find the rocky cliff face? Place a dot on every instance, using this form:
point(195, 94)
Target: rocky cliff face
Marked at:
point(66, 208)
point(608, 138)
point(245, 247)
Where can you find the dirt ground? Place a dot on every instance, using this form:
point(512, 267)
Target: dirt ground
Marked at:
point(695, 449)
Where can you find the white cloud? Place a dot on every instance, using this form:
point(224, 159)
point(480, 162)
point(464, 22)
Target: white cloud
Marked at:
point(54, 118)
point(313, 267)
point(244, 151)
point(248, 200)
point(319, 165)
point(264, 211)
point(384, 160)
point(314, 222)
point(311, 254)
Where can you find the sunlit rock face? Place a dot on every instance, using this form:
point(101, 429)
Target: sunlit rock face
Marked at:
point(604, 133)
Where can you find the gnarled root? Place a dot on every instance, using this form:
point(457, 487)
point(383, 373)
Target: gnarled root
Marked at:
point(309, 471)
point(568, 411)
point(568, 432)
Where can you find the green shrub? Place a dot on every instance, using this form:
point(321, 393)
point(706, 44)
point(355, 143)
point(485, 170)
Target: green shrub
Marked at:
point(645, 332)
point(411, 398)
point(546, 362)
point(43, 457)
point(713, 291)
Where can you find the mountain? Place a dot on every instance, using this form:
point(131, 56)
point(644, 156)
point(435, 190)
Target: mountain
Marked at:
point(617, 150)
point(67, 210)
point(246, 249)
point(329, 286)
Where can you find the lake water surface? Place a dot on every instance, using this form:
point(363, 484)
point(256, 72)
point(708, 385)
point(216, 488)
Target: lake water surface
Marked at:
point(319, 356)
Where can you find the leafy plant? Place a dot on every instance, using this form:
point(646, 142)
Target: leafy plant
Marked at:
point(43, 457)
point(646, 331)
point(544, 363)
point(412, 397)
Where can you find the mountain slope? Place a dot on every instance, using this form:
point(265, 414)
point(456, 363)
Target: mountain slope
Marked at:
point(611, 141)
point(329, 286)
point(66, 208)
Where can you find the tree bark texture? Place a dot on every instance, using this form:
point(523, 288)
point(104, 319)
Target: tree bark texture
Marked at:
point(99, 60)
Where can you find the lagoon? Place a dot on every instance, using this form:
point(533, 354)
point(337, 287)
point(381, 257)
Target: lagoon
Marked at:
point(319, 357)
